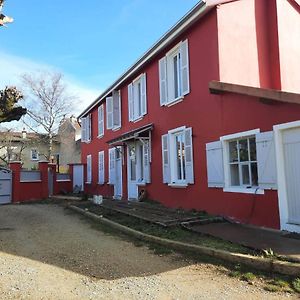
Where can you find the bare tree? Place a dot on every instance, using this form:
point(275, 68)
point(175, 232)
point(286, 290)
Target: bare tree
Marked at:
point(3, 18)
point(47, 103)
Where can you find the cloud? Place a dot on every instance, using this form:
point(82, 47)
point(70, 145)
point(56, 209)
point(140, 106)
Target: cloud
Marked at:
point(13, 66)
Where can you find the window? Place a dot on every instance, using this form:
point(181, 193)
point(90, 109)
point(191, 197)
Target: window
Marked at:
point(34, 155)
point(174, 74)
point(86, 129)
point(89, 169)
point(243, 162)
point(113, 111)
point(137, 98)
point(177, 154)
point(101, 120)
point(101, 167)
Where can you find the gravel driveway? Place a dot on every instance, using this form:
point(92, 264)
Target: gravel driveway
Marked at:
point(47, 252)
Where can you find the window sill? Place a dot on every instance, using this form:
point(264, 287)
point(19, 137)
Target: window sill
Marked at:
point(100, 136)
point(175, 101)
point(63, 180)
point(141, 184)
point(88, 182)
point(28, 181)
point(101, 183)
point(243, 190)
point(178, 185)
point(116, 128)
point(138, 119)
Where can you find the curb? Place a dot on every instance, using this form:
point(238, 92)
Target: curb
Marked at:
point(264, 264)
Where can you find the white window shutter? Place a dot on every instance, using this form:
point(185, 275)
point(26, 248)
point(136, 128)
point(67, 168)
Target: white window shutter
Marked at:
point(116, 109)
point(188, 156)
point(83, 130)
point(215, 164)
point(184, 68)
point(112, 165)
point(166, 159)
point(146, 159)
point(101, 167)
point(89, 168)
point(163, 81)
point(89, 127)
point(144, 94)
point(130, 102)
point(266, 160)
point(100, 120)
point(109, 112)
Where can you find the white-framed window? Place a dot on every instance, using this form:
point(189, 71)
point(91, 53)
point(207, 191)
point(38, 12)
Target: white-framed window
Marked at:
point(177, 157)
point(137, 98)
point(101, 120)
point(242, 162)
point(86, 129)
point(89, 168)
point(34, 154)
point(113, 111)
point(101, 173)
point(174, 80)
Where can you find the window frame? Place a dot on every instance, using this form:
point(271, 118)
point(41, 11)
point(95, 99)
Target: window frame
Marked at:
point(89, 172)
point(37, 154)
point(101, 126)
point(225, 140)
point(173, 158)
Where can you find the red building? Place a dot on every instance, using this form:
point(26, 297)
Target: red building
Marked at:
point(208, 117)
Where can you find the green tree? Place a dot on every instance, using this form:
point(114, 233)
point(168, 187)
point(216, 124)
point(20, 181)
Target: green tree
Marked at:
point(9, 97)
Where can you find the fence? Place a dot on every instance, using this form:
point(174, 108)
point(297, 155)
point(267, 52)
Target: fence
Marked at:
point(37, 185)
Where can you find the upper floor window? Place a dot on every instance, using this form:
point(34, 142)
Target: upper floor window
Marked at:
point(177, 154)
point(86, 129)
point(113, 111)
point(137, 98)
point(174, 80)
point(34, 155)
point(101, 120)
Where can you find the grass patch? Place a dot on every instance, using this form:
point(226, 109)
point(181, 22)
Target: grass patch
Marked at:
point(249, 277)
point(296, 284)
point(173, 233)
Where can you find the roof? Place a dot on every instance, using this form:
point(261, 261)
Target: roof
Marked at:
point(218, 87)
point(131, 134)
point(197, 12)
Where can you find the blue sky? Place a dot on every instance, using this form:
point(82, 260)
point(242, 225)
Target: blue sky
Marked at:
point(91, 42)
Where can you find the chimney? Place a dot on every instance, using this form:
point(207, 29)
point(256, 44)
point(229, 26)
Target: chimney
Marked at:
point(24, 133)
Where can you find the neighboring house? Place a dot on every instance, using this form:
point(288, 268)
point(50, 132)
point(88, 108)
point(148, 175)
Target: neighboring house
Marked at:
point(207, 117)
point(30, 147)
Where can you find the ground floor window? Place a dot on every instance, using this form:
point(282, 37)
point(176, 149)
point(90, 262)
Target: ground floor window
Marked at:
point(243, 162)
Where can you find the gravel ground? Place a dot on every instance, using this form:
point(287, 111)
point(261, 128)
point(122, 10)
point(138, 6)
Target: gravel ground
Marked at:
point(49, 253)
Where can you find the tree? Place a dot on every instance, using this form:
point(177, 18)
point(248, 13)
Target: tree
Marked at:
point(8, 99)
point(3, 18)
point(47, 103)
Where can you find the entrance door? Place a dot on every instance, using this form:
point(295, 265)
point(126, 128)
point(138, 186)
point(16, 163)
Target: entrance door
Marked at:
point(132, 171)
point(78, 178)
point(5, 185)
point(291, 149)
point(118, 174)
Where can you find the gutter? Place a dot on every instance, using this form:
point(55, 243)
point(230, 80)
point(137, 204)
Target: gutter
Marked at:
point(199, 10)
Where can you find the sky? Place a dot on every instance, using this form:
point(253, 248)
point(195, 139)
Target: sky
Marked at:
point(91, 44)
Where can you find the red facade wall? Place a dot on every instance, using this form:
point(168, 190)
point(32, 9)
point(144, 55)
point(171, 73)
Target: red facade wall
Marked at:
point(210, 116)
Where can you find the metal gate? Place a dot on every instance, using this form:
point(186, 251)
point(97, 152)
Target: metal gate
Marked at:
point(5, 185)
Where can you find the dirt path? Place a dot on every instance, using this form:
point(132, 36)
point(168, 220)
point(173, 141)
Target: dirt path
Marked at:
point(48, 253)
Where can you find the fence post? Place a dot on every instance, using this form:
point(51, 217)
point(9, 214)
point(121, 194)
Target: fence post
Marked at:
point(15, 167)
point(43, 168)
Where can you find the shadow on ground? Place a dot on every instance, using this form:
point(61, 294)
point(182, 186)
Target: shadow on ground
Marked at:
point(53, 235)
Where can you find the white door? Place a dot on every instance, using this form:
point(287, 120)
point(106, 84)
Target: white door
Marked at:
point(118, 174)
point(291, 149)
point(78, 176)
point(132, 171)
